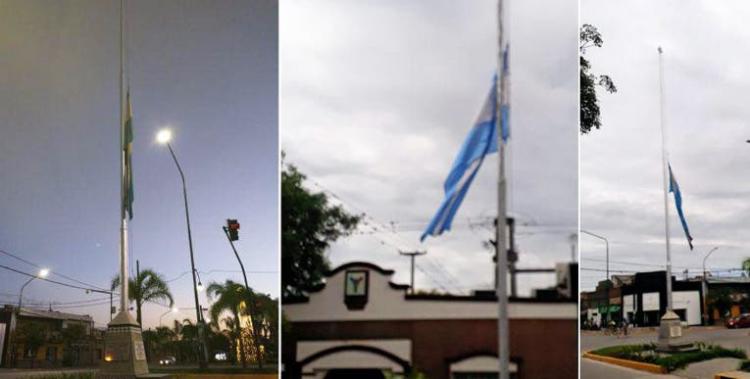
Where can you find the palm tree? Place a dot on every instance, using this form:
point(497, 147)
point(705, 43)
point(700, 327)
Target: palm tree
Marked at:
point(231, 296)
point(746, 266)
point(148, 285)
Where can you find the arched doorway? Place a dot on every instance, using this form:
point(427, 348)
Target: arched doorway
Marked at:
point(352, 361)
point(355, 374)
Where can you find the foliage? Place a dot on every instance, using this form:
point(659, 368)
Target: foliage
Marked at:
point(33, 335)
point(65, 375)
point(309, 225)
point(744, 366)
point(148, 285)
point(73, 336)
point(746, 266)
point(229, 297)
point(673, 361)
point(590, 37)
point(721, 299)
point(258, 339)
point(413, 374)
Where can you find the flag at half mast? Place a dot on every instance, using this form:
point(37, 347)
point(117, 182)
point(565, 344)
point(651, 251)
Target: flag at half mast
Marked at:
point(675, 189)
point(127, 150)
point(481, 141)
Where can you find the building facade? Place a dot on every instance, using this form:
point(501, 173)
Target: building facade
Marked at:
point(47, 339)
point(362, 325)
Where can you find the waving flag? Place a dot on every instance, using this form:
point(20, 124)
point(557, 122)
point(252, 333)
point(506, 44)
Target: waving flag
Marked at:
point(675, 189)
point(482, 140)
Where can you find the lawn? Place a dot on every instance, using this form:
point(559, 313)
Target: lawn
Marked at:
point(671, 361)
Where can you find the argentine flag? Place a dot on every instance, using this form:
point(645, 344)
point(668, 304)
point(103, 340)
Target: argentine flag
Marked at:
point(482, 140)
point(675, 189)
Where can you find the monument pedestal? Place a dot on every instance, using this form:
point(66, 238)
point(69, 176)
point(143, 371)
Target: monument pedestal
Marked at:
point(670, 335)
point(124, 354)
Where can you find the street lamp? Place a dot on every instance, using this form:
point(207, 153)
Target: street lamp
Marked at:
point(606, 243)
point(163, 137)
point(41, 274)
point(173, 310)
point(705, 286)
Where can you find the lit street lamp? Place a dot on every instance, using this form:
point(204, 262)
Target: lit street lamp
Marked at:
point(173, 310)
point(42, 274)
point(163, 137)
point(705, 286)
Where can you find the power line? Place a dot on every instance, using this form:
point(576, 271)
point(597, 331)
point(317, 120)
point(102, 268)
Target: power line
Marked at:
point(52, 272)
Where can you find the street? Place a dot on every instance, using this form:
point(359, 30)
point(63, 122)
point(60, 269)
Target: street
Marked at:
point(729, 338)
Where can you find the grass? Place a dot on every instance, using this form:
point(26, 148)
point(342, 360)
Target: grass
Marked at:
point(647, 353)
point(74, 375)
point(270, 369)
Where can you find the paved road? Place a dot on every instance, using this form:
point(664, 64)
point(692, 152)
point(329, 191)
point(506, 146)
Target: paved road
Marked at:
point(598, 370)
point(729, 338)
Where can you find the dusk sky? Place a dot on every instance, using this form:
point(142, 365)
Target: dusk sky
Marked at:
point(209, 71)
point(706, 68)
point(378, 97)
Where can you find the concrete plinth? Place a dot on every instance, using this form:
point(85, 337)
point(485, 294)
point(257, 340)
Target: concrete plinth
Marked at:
point(124, 354)
point(670, 335)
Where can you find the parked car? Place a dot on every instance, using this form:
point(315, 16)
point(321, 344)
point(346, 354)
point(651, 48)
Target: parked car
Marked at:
point(167, 361)
point(741, 321)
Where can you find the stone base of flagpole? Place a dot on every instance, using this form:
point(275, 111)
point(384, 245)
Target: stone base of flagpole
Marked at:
point(124, 354)
point(670, 335)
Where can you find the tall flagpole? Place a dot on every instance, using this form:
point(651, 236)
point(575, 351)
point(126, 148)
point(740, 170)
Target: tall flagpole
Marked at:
point(500, 237)
point(665, 174)
point(123, 220)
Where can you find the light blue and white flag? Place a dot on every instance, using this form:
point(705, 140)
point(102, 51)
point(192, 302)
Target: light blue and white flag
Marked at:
point(482, 140)
point(675, 189)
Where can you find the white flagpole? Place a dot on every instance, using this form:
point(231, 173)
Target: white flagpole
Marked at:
point(123, 221)
point(500, 237)
point(665, 172)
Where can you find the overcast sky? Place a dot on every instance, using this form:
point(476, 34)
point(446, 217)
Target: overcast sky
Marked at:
point(209, 70)
point(377, 98)
point(706, 73)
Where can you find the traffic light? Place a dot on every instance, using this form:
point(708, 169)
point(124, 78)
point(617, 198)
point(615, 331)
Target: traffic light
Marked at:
point(233, 228)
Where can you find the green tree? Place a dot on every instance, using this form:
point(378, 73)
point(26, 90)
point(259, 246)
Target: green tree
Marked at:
point(721, 300)
point(309, 225)
point(147, 286)
point(590, 37)
point(746, 266)
point(230, 297)
point(73, 336)
point(33, 335)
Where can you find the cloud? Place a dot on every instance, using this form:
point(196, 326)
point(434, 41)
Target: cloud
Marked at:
point(377, 98)
point(705, 80)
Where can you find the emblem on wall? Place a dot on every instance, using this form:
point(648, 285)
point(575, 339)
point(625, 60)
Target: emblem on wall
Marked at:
point(356, 289)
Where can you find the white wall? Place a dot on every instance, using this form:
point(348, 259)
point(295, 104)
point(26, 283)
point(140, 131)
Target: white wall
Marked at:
point(386, 303)
point(690, 301)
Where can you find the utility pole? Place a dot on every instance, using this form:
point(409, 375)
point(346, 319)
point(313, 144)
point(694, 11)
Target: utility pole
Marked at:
point(412, 255)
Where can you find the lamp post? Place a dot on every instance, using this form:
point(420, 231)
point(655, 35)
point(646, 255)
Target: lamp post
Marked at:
point(606, 243)
point(42, 274)
point(173, 310)
point(705, 287)
point(163, 137)
point(14, 321)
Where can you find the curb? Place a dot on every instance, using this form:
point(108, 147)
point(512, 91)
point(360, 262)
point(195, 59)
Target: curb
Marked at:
point(642, 366)
point(732, 375)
